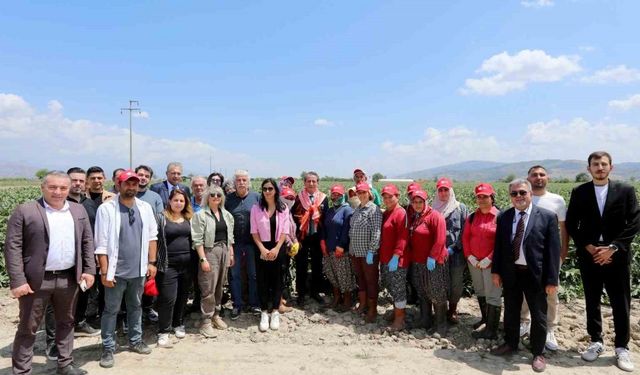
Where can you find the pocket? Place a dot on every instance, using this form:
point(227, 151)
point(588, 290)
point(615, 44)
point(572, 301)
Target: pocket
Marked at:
point(26, 260)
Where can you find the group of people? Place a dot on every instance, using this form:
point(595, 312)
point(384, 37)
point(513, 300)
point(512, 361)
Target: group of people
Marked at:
point(151, 246)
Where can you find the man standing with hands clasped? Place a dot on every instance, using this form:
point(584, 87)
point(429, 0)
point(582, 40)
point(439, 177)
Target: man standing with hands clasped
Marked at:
point(48, 253)
point(526, 261)
point(603, 218)
point(126, 243)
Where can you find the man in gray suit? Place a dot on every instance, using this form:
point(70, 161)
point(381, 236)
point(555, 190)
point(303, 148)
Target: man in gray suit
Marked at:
point(49, 254)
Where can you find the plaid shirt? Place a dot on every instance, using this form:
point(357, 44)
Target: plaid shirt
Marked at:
point(364, 232)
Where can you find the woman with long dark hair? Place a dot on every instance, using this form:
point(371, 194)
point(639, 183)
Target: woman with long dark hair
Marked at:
point(270, 225)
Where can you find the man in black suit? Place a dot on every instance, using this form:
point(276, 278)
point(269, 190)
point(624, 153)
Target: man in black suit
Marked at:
point(173, 181)
point(603, 218)
point(526, 260)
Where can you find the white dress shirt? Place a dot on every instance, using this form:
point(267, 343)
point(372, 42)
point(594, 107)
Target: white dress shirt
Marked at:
point(521, 259)
point(601, 197)
point(62, 239)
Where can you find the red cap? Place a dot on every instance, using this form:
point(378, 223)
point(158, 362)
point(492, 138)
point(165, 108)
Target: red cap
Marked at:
point(420, 193)
point(128, 175)
point(337, 188)
point(413, 187)
point(288, 178)
point(287, 192)
point(444, 182)
point(358, 170)
point(484, 189)
point(150, 288)
point(362, 186)
point(390, 189)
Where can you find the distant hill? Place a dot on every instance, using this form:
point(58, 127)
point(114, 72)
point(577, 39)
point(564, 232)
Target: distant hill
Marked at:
point(14, 170)
point(493, 171)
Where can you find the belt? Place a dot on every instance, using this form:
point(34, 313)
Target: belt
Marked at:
point(520, 267)
point(60, 272)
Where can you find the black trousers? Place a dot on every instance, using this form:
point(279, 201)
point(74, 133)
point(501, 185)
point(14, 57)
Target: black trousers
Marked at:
point(615, 279)
point(309, 250)
point(269, 279)
point(173, 285)
point(525, 284)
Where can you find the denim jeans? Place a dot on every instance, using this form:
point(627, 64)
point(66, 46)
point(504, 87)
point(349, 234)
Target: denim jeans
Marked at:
point(132, 290)
point(244, 255)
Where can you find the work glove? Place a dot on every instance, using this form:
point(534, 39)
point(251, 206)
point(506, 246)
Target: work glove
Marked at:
point(369, 257)
point(393, 263)
point(450, 251)
point(484, 263)
point(473, 260)
point(431, 264)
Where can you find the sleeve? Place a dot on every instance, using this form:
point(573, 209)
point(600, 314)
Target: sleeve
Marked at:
point(286, 224)
point(13, 249)
point(573, 218)
point(230, 225)
point(197, 229)
point(632, 221)
point(457, 244)
point(159, 206)
point(101, 235)
point(551, 257)
point(376, 227)
point(562, 209)
point(88, 258)
point(254, 219)
point(466, 238)
point(400, 226)
point(153, 223)
point(496, 256)
point(343, 241)
point(440, 229)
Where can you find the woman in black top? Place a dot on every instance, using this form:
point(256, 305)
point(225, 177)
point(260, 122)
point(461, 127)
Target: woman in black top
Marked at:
point(174, 257)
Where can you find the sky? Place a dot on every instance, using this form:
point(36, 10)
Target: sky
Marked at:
point(280, 87)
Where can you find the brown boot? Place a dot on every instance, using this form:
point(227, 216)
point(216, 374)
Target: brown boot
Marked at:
point(336, 299)
point(398, 320)
point(372, 312)
point(346, 302)
point(452, 314)
point(362, 303)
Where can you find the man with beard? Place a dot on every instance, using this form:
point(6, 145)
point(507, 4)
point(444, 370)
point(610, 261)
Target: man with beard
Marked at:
point(173, 181)
point(145, 173)
point(603, 218)
point(126, 243)
point(97, 193)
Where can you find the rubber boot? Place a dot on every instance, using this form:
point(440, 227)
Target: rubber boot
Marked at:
point(441, 319)
point(336, 299)
point(362, 303)
point(372, 312)
point(346, 302)
point(426, 318)
point(490, 331)
point(452, 313)
point(398, 320)
point(482, 301)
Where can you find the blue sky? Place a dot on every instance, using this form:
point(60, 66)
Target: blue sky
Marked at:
point(281, 87)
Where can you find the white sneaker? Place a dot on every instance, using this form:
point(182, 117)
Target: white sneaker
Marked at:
point(264, 322)
point(180, 332)
point(551, 343)
point(593, 351)
point(623, 359)
point(275, 320)
point(524, 328)
point(163, 341)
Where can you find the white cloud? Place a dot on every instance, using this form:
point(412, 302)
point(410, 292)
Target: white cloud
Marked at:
point(626, 104)
point(613, 74)
point(49, 139)
point(141, 114)
point(537, 3)
point(515, 72)
point(323, 123)
point(587, 48)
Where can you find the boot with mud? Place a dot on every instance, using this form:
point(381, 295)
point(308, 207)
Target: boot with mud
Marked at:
point(482, 302)
point(398, 320)
point(372, 310)
point(362, 303)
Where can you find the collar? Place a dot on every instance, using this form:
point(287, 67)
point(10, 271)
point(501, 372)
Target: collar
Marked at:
point(528, 210)
point(64, 208)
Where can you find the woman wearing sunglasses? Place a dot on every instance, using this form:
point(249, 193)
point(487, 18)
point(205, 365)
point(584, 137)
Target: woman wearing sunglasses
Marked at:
point(478, 239)
point(270, 225)
point(174, 266)
point(212, 232)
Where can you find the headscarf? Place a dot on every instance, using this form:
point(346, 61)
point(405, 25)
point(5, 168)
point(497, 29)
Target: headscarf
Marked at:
point(446, 208)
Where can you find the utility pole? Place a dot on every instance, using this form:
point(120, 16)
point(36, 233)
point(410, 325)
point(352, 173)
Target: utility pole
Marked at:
point(131, 109)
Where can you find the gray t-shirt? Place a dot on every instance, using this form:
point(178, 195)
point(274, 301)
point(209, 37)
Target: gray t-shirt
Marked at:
point(130, 243)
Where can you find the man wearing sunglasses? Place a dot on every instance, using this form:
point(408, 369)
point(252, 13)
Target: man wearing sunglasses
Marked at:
point(526, 261)
point(603, 218)
point(126, 238)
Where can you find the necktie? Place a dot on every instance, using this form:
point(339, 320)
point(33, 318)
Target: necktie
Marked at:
point(517, 240)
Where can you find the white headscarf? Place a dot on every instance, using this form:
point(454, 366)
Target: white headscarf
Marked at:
point(446, 208)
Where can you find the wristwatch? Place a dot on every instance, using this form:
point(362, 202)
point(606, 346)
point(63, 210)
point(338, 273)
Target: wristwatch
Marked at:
point(613, 248)
point(202, 260)
point(153, 262)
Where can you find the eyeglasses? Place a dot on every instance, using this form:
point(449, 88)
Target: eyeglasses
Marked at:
point(132, 216)
point(215, 195)
point(522, 193)
point(268, 189)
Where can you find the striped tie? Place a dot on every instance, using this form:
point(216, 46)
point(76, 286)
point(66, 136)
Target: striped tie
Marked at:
point(517, 240)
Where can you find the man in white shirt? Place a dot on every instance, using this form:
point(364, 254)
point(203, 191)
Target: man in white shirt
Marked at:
point(538, 177)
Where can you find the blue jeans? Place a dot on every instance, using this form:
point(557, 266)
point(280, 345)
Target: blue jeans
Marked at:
point(132, 290)
point(244, 253)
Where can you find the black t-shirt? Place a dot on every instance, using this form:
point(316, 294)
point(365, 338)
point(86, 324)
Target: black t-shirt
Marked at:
point(178, 236)
point(221, 229)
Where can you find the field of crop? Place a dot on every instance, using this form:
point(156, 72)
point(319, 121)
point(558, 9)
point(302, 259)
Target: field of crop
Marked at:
point(571, 286)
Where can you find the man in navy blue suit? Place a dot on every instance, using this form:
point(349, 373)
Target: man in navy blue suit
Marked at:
point(173, 181)
point(526, 261)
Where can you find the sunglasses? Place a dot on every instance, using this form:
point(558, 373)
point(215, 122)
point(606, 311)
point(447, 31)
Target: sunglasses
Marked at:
point(132, 216)
point(268, 188)
point(522, 193)
point(215, 195)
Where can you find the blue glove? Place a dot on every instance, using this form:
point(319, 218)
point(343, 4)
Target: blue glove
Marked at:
point(431, 264)
point(450, 251)
point(369, 257)
point(393, 263)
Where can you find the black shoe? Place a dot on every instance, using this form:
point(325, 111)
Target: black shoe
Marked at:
point(222, 312)
point(235, 313)
point(318, 298)
point(140, 348)
point(71, 370)
point(83, 329)
point(255, 310)
point(52, 352)
point(106, 360)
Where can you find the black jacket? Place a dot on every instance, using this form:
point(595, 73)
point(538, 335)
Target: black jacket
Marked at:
point(162, 189)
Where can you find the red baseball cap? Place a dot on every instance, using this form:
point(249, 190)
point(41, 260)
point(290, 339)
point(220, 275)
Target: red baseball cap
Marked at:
point(390, 189)
point(127, 175)
point(358, 170)
point(288, 178)
point(444, 182)
point(337, 188)
point(484, 189)
point(362, 186)
point(414, 186)
point(287, 192)
point(420, 193)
